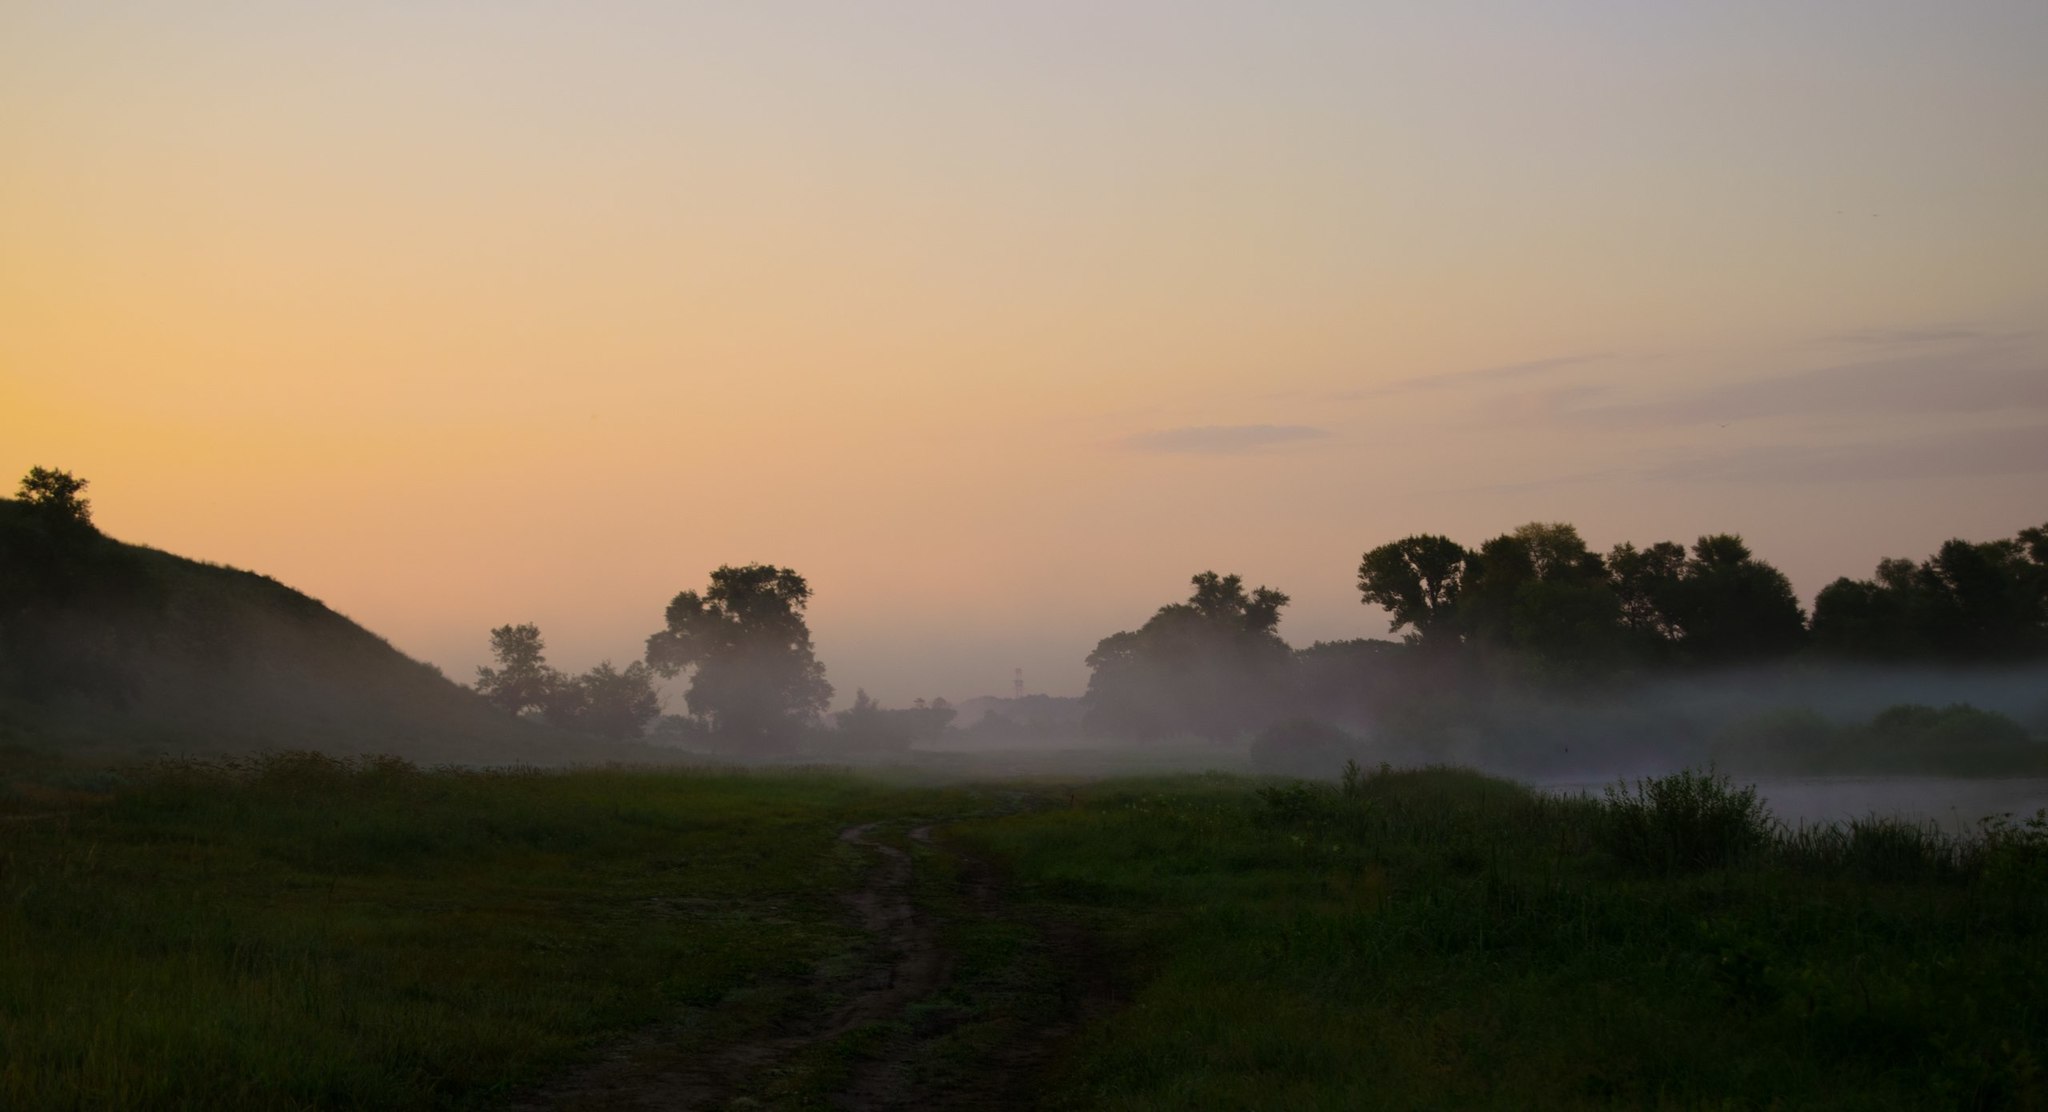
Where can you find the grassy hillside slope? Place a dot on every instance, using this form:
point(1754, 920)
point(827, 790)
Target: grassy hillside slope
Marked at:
point(106, 645)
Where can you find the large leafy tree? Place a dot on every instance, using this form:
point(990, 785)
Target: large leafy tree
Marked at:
point(1647, 584)
point(1714, 604)
point(1213, 666)
point(1540, 590)
point(1732, 607)
point(1417, 580)
point(754, 678)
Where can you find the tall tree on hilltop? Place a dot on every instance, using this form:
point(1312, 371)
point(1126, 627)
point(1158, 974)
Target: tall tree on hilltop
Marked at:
point(54, 495)
point(755, 679)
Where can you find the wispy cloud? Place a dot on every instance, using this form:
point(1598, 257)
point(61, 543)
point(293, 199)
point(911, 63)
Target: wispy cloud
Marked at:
point(1959, 454)
point(1915, 337)
point(1484, 376)
point(1979, 381)
point(1218, 440)
point(1962, 454)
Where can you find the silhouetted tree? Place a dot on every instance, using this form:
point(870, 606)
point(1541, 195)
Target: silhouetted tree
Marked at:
point(1647, 583)
point(54, 495)
point(1540, 590)
point(755, 678)
point(522, 682)
point(2035, 543)
point(1731, 606)
point(1970, 601)
point(1212, 667)
point(1983, 601)
point(1877, 618)
point(1417, 580)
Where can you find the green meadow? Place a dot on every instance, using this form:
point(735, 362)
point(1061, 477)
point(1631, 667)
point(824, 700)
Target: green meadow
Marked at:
point(301, 932)
point(295, 931)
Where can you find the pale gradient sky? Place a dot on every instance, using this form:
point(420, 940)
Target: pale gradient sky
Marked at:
point(998, 322)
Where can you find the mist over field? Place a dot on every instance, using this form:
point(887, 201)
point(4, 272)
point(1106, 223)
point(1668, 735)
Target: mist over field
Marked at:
point(1161, 555)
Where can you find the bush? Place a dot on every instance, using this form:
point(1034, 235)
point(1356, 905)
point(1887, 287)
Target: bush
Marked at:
point(1684, 822)
point(1302, 747)
point(1955, 738)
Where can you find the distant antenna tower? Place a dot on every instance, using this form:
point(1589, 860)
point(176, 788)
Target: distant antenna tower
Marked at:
point(1017, 684)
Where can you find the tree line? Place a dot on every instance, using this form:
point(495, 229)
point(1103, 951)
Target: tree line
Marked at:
point(1538, 605)
point(1535, 604)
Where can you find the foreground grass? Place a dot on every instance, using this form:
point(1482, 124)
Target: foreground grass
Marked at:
point(1436, 939)
point(296, 932)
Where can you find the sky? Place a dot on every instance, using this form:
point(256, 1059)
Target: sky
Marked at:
point(1000, 321)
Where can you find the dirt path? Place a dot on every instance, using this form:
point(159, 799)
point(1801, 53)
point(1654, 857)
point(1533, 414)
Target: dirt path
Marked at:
point(864, 1049)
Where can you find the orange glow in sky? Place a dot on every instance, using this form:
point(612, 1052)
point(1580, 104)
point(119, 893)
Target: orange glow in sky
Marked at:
point(998, 322)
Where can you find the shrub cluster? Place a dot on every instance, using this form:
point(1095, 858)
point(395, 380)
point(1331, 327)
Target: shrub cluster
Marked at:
point(1684, 822)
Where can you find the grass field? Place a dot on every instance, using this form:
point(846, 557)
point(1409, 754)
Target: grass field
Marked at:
point(296, 932)
point(1436, 939)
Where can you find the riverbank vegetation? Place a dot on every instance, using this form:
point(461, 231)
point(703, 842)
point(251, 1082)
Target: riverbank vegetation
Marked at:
point(1437, 939)
point(300, 931)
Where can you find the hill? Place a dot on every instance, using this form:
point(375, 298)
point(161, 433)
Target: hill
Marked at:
point(118, 647)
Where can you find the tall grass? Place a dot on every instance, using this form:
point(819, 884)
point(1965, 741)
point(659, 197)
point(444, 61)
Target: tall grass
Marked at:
point(1437, 939)
point(299, 931)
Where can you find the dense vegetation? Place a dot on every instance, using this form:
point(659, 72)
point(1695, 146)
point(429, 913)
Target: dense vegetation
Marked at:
point(1435, 939)
point(296, 931)
point(1500, 637)
point(1530, 652)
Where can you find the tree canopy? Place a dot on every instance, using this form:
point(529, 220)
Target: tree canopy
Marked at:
point(754, 677)
point(1970, 601)
point(1417, 579)
point(1213, 666)
point(55, 495)
point(1541, 594)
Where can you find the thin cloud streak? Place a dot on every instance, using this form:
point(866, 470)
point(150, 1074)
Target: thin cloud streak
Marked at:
point(1916, 337)
point(1969, 453)
point(1481, 377)
point(1221, 440)
point(1962, 454)
point(1978, 382)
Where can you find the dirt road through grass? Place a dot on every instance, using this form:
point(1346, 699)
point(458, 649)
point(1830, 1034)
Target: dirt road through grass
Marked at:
point(946, 1002)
